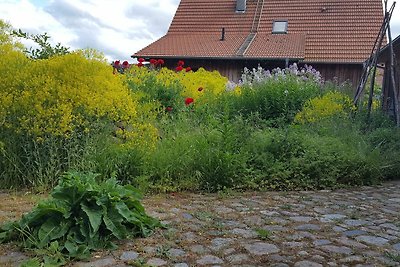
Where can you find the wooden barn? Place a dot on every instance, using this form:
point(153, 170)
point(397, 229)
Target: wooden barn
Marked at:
point(334, 37)
point(390, 93)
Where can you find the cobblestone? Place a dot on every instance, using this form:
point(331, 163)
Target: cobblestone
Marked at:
point(349, 227)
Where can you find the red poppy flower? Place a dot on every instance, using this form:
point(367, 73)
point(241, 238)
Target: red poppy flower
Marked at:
point(181, 63)
point(200, 89)
point(188, 69)
point(140, 64)
point(179, 68)
point(189, 101)
point(160, 62)
point(153, 61)
point(141, 60)
point(125, 64)
point(169, 109)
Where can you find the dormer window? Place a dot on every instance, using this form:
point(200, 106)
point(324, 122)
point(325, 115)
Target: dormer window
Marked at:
point(240, 6)
point(279, 26)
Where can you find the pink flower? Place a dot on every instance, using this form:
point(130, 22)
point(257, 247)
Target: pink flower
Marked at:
point(188, 69)
point(181, 63)
point(169, 109)
point(141, 60)
point(189, 101)
point(116, 63)
point(179, 68)
point(153, 61)
point(140, 64)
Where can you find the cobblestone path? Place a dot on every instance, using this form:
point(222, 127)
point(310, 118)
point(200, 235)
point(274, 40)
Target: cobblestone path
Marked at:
point(350, 227)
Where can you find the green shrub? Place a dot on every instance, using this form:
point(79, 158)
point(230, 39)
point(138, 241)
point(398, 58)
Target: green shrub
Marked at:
point(81, 215)
point(195, 156)
point(387, 142)
point(297, 159)
point(275, 96)
point(52, 110)
point(38, 163)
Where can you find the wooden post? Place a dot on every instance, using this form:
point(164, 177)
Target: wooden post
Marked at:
point(393, 80)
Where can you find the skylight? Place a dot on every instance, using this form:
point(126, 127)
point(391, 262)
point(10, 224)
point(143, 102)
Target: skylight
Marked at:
point(280, 26)
point(240, 5)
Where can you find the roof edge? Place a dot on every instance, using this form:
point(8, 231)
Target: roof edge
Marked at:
point(219, 58)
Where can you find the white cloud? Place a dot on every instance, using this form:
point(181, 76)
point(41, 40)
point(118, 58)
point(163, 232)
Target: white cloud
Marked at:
point(116, 28)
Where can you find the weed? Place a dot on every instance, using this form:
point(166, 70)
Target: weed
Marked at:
point(169, 234)
point(204, 215)
point(163, 251)
point(393, 256)
point(263, 233)
point(306, 198)
point(287, 207)
point(140, 262)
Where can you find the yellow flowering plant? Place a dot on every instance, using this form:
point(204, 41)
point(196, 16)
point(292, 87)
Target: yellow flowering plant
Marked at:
point(53, 110)
point(188, 84)
point(62, 94)
point(331, 104)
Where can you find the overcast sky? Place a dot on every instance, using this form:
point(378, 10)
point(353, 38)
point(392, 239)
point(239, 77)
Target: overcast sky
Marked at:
point(117, 28)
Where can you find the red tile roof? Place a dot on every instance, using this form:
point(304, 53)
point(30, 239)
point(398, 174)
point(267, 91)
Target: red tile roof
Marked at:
point(318, 30)
point(195, 45)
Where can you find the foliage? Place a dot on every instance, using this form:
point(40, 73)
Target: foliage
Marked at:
point(190, 157)
point(201, 82)
point(331, 104)
point(386, 140)
point(52, 108)
point(260, 75)
point(296, 158)
point(45, 49)
point(169, 130)
point(169, 88)
point(263, 233)
point(6, 39)
point(276, 96)
point(82, 215)
point(163, 95)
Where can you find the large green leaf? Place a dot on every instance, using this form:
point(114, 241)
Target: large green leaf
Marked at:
point(77, 251)
point(125, 212)
point(80, 216)
point(94, 214)
point(113, 220)
point(52, 229)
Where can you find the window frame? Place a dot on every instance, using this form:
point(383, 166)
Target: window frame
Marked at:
point(280, 31)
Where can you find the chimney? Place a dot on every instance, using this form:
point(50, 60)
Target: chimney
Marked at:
point(240, 5)
point(222, 34)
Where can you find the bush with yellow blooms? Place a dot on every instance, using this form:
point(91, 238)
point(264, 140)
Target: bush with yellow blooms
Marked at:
point(61, 99)
point(329, 105)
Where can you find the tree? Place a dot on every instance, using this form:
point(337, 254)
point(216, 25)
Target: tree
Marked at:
point(6, 37)
point(45, 50)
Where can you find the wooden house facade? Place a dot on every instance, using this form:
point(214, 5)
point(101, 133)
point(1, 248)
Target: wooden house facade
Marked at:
point(334, 37)
point(387, 86)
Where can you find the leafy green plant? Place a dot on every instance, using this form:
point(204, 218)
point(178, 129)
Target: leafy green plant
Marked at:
point(263, 233)
point(393, 256)
point(277, 95)
point(45, 49)
point(82, 215)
